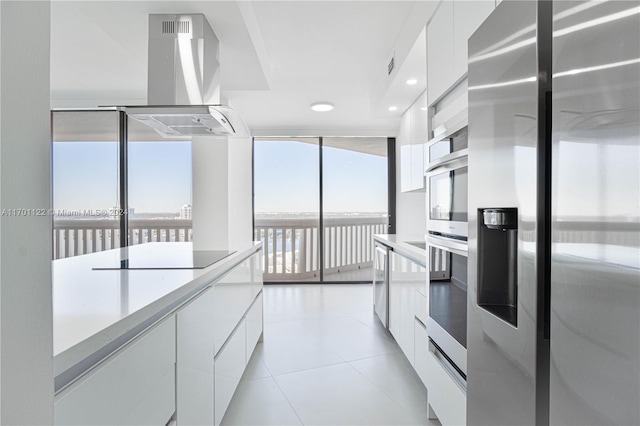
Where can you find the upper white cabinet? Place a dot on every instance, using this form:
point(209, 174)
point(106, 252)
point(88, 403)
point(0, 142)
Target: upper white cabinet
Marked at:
point(467, 17)
point(412, 137)
point(440, 75)
point(448, 33)
point(404, 141)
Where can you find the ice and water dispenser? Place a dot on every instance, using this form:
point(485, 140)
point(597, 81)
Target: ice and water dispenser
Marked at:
point(497, 262)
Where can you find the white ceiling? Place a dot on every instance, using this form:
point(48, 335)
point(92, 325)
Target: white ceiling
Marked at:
point(276, 58)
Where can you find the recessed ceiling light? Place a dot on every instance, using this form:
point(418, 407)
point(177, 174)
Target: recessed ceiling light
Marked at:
point(393, 108)
point(412, 81)
point(322, 106)
point(423, 108)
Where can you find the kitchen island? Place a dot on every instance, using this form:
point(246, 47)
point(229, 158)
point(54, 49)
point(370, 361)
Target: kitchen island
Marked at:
point(179, 321)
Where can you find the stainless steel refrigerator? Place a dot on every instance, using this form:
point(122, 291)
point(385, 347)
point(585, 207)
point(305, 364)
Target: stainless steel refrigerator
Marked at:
point(554, 215)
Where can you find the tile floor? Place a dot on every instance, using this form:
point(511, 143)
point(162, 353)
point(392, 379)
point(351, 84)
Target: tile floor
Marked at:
point(326, 360)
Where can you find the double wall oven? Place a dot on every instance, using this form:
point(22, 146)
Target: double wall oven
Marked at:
point(447, 248)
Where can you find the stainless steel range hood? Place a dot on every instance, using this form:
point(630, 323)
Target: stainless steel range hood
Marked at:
point(183, 86)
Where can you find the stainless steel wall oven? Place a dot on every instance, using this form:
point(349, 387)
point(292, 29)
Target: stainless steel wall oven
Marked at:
point(447, 184)
point(447, 320)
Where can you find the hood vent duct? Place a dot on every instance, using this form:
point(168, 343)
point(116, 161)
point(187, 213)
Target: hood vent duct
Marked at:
point(183, 86)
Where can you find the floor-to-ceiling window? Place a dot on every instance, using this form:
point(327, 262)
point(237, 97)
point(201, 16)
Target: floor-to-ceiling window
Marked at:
point(85, 182)
point(318, 202)
point(108, 172)
point(287, 207)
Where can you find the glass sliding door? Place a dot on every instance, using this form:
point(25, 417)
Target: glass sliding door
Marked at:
point(354, 197)
point(287, 207)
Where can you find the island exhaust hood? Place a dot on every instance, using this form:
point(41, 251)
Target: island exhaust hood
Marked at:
point(183, 86)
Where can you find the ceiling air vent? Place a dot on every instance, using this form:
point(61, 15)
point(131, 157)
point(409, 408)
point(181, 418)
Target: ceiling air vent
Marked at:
point(176, 27)
point(391, 65)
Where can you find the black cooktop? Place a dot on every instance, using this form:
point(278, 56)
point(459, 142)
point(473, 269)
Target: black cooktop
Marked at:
point(197, 259)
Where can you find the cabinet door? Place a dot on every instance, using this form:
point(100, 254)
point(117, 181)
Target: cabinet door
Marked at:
point(406, 275)
point(421, 351)
point(394, 294)
point(440, 48)
point(135, 385)
point(195, 352)
point(413, 276)
point(233, 294)
point(445, 396)
point(254, 325)
point(404, 141)
point(417, 166)
point(467, 17)
point(419, 138)
point(229, 366)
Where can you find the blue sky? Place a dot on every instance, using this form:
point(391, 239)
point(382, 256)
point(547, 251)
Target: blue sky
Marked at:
point(86, 177)
point(286, 179)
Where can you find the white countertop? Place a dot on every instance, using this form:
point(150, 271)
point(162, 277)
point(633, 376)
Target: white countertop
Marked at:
point(93, 308)
point(400, 244)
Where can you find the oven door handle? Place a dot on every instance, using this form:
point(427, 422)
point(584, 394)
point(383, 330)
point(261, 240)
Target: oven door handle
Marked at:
point(456, 247)
point(455, 160)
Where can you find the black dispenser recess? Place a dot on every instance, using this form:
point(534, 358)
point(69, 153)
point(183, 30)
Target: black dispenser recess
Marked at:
point(497, 262)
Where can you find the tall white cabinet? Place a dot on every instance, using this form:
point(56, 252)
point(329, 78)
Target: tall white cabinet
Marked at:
point(412, 137)
point(448, 33)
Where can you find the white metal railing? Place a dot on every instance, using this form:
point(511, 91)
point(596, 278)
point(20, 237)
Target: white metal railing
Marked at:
point(75, 237)
point(291, 245)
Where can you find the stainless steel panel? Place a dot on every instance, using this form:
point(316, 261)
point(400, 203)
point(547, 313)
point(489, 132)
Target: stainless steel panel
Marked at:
point(504, 88)
point(183, 64)
point(595, 296)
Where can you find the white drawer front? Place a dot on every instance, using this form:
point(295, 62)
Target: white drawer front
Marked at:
point(421, 307)
point(229, 366)
point(446, 397)
point(421, 352)
point(136, 385)
point(232, 296)
point(254, 325)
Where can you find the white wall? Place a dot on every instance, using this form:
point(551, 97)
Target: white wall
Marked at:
point(222, 192)
point(26, 331)
point(210, 193)
point(240, 191)
point(410, 207)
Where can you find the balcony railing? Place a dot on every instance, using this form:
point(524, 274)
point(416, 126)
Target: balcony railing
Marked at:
point(291, 246)
point(75, 237)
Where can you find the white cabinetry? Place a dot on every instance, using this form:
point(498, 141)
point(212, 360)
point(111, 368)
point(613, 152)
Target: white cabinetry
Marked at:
point(135, 385)
point(412, 137)
point(405, 277)
point(421, 351)
point(229, 366)
point(195, 352)
point(448, 33)
point(217, 332)
point(440, 53)
point(446, 396)
point(467, 17)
